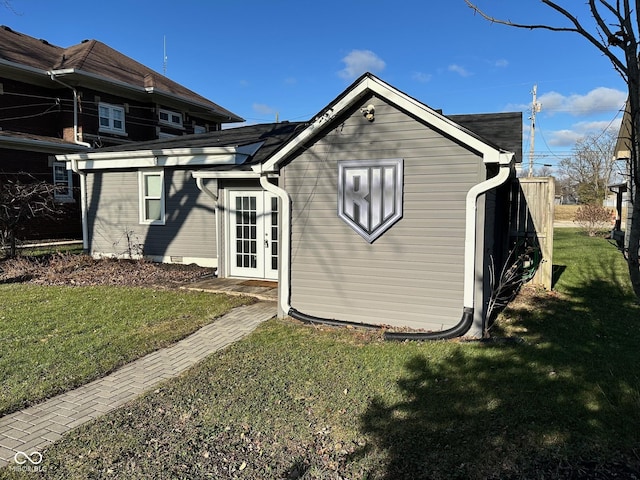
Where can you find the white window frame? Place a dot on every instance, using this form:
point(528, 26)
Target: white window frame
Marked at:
point(143, 197)
point(66, 184)
point(111, 118)
point(170, 121)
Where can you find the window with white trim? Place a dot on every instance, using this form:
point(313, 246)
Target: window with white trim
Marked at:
point(151, 197)
point(199, 129)
point(62, 182)
point(167, 117)
point(111, 118)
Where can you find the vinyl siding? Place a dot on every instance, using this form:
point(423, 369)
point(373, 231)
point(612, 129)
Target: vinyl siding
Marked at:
point(189, 229)
point(413, 274)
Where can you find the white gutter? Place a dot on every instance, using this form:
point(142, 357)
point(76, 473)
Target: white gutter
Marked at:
point(504, 160)
point(201, 174)
point(284, 272)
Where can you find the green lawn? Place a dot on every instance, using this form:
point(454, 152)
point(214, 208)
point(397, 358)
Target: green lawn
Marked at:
point(53, 339)
point(559, 399)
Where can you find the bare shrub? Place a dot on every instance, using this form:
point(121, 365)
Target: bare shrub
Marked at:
point(519, 267)
point(593, 218)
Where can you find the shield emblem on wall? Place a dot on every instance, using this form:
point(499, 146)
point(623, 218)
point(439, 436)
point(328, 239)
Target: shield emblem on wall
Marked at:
point(370, 195)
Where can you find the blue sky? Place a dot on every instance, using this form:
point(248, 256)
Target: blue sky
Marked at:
point(259, 58)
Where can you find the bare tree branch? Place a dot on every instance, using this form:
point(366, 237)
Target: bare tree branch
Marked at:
point(626, 63)
point(577, 28)
point(23, 199)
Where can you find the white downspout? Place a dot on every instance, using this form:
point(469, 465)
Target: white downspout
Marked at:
point(203, 188)
point(83, 204)
point(74, 164)
point(471, 225)
point(284, 272)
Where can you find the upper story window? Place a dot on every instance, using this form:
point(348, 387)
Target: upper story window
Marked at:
point(111, 118)
point(168, 117)
point(63, 183)
point(199, 129)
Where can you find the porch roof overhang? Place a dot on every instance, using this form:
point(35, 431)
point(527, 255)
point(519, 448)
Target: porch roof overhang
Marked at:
point(229, 174)
point(167, 157)
point(37, 143)
point(622, 149)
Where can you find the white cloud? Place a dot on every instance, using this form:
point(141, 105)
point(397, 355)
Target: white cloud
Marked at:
point(421, 77)
point(598, 125)
point(598, 100)
point(263, 109)
point(290, 81)
point(567, 137)
point(501, 63)
point(564, 138)
point(358, 62)
point(463, 72)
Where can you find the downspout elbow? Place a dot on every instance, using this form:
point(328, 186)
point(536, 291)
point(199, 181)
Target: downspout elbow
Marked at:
point(466, 322)
point(202, 187)
point(76, 134)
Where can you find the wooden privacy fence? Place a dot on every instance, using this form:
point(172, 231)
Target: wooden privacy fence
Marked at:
point(531, 221)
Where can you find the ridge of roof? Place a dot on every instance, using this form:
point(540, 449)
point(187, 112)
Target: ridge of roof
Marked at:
point(85, 46)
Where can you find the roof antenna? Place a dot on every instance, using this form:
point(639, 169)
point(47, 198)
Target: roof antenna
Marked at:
point(164, 62)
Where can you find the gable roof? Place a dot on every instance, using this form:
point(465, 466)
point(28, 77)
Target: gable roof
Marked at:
point(94, 61)
point(370, 84)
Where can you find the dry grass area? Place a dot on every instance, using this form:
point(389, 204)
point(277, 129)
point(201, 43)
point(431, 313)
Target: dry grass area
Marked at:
point(565, 213)
point(83, 270)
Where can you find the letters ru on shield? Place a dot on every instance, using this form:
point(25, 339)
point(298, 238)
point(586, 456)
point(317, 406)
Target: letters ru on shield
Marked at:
point(370, 195)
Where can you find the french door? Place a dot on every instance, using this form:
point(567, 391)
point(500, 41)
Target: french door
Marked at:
point(253, 234)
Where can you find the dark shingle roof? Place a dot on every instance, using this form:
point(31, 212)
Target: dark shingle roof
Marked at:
point(274, 136)
point(503, 130)
point(94, 57)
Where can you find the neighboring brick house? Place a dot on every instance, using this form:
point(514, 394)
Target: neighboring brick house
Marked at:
point(57, 100)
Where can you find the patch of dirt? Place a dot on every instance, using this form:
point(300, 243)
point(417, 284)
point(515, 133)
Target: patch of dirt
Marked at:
point(83, 270)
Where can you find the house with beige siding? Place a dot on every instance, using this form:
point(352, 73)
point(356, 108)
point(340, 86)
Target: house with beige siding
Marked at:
point(379, 211)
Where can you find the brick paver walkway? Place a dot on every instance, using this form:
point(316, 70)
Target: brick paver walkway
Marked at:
point(34, 428)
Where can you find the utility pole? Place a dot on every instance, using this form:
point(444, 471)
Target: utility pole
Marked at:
point(535, 108)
